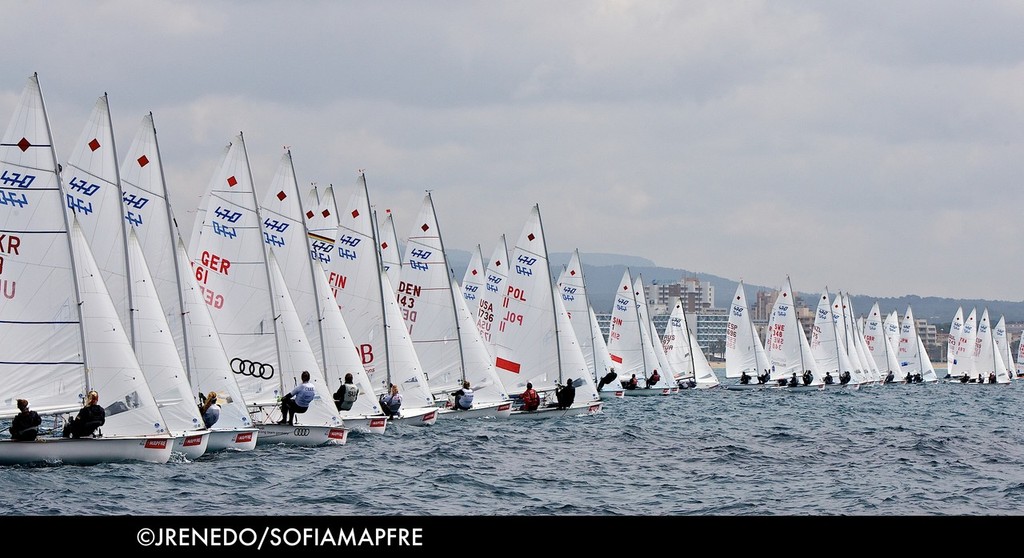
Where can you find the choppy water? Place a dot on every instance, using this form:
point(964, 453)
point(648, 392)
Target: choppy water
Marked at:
point(939, 449)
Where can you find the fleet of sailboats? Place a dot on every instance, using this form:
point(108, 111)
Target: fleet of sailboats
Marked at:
point(101, 293)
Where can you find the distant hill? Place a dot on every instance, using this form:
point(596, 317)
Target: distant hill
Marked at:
point(603, 272)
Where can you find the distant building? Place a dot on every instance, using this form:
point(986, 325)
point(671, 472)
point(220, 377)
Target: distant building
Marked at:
point(696, 295)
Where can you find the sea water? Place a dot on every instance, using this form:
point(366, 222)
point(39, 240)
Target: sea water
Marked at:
point(931, 449)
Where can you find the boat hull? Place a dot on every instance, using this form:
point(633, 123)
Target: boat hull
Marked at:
point(87, 451)
point(366, 424)
point(577, 409)
point(501, 409)
point(241, 439)
point(301, 435)
point(193, 444)
point(647, 392)
point(422, 416)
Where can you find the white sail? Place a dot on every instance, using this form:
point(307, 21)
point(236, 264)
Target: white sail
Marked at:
point(879, 344)
point(744, 351)
point(477, 362)
point(961, 360)
point(654, 349)
point(526, 346)
point(321, 224)
point(534, 340)
point(61, 331)
point(682, 351)
point(858, 369)
point(93, 195)
point(624, 344)
point(893, 329)
point(148, 211)
point(827, 345)
point(252, 309)
point(473, 282)
point(602, 359)
point(573, 292)
point(390, 253)
point(782, 344)
point(428, 307)
point(367, 301)
point(953, 341)
point(285, 230)
point(156, 351)
point(296, 355)
point(489, 310)
point(999, 336)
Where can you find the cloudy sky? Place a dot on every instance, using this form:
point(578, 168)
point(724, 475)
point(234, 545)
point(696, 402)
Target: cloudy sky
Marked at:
point(874, 147)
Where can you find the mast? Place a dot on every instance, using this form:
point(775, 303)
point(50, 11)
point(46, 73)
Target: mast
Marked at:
point(266, 260)
point(314, 267)
point(639, 324)
point(124, 228)
point(451, 292)
point(174, 236)
point(67, 235)
point(689, 341)
point(554, 307)
point(799, 328)
point(380, 284)
point(590, 325)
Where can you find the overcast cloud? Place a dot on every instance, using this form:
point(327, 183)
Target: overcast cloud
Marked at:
point(871, 147)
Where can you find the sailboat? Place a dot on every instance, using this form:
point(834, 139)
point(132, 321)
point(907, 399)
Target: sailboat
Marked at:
point(366, 297)
point(988, 358)
point(62, 333)
point(93, 192)
point(827, 346)
point(573, 290)
point(666, 377)
point(198, 343)
point(434, 310)
point(884, 353)
point(534, 340)
point(630, 344)
point(787, 347)
point(912, 356)
point(683, 353)
point(963, 334)
point(1003, 345)
point(744, 351)
point(253, 310)
point(284, 228)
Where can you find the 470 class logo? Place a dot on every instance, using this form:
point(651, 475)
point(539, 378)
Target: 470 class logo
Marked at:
point(252, 368)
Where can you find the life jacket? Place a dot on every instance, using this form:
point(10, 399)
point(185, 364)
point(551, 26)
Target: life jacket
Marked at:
point(349, 394)
point(466, 401)
point(530, 399)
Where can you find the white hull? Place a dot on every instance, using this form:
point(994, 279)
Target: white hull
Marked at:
point(643, 392)
point(376, 424)
point(577, 409)
point(617, 394)
point(746, 387)
point(301, 435)
point(242, 439)
point(193, 445)
point(420, 416)
point(501, 409)
point(87, 451)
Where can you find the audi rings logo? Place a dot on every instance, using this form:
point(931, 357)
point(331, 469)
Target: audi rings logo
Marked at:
point(301, 432)
point(252, 368)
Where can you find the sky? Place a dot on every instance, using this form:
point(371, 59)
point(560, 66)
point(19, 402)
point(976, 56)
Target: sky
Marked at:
point(873, 147)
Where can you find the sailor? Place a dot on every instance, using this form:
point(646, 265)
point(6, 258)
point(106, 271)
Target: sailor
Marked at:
point(297, 400)
point(464, 397)
point(90, 417)
point(346, 395)
point(25, 426)
point(792, 381)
